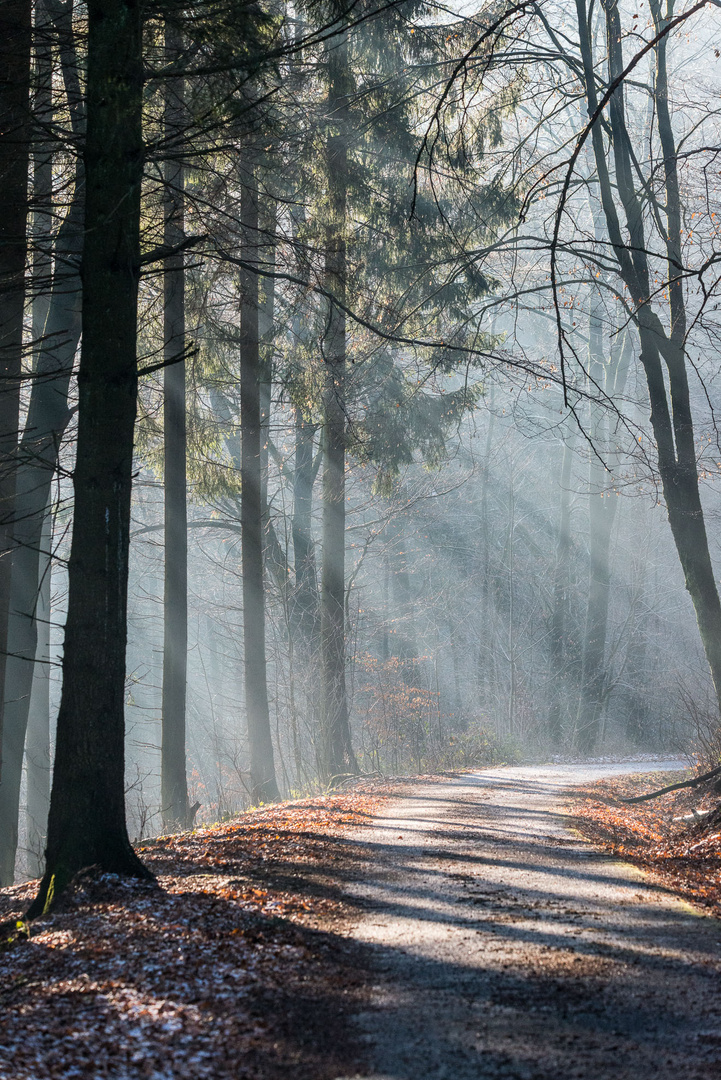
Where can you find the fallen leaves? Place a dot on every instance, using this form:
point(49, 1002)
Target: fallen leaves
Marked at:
point(658, 836)
point(226, 969)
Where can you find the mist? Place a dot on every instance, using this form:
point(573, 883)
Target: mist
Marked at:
point(425, 465)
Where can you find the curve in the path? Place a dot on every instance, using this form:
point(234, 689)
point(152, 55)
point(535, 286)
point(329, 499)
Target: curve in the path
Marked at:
point(503, 946)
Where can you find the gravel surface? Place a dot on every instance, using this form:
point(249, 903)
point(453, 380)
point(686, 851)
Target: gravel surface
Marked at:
point(503, 945)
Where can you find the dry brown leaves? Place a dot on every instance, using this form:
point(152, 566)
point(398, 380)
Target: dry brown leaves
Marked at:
point(228, 968)
point(686, 855)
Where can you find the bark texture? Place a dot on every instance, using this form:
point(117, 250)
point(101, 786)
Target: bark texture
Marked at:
point(264, 787)
point(87, 806)
point(174, 783)
point(607, 375)
point(15, 39)
point(305, 600)
point(336, 751)
point(561, 590)
point(37, 458)
point(671, 415)
point(37, 740)
point(47, 418)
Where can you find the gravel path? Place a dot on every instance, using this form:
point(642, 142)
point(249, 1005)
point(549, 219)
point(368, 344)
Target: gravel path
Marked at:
point(502, 945)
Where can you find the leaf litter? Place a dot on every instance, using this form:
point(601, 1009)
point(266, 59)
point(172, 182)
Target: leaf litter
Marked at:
point(235, 964)
point(231, 966)
point(675, 837)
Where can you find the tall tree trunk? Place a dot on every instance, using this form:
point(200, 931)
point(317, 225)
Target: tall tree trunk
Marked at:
point(15, 41)
point(385, 647)
point(671, 416)
point(42, 177)
point(404, 643)
point(37, 740)
point(174, 783)
point(607, 375)
point(47, 419)
point(86, 824)
point(510, 563)
point(559, 616)
point(486, 645)
point(45, 424)
point(304, 611)
point(305, 600)
point(601, 514)
point(679, 471)
point(610, 377)
point(264, 787)
point(266, 334)
point(337, 755)
point(636, 698)
point(304, 606)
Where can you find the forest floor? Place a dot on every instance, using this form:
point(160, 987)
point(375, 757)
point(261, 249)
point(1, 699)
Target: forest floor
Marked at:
point(664, 836)
point(233, 966)
point(435, 928)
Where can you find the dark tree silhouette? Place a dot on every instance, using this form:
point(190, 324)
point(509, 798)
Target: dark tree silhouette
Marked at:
point(37, 458)
point(86, 823)
point(174, 784)
point(264, 787)
point(336, 756)
point(15, 40)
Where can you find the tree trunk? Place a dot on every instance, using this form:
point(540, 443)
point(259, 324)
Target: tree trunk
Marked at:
point(37, 741)
point(601, 514)
point(385, 647)
point(304, 611)
point(47, 419)
point(86, 824)
point(266, 335)
point(679, 471)
point(559, 618)
point(37, 457)
point(304, 606)
point(671, 417)
point(42, 178)
point(15, 41)
point(264, 787)
point(174, 784)
point(637, 706)
point(486, 645)
point(404, 644)
point(337, 755)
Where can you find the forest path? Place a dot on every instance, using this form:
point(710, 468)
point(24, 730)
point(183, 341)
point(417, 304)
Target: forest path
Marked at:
point(503, 945)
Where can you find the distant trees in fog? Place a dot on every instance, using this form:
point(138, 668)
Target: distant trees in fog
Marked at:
point(347, 325)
